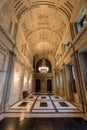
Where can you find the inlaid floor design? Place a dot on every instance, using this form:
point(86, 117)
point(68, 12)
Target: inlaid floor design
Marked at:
point(48, 108)
point(19, 108)
point(43, 124)
point(43, 97)
point(56, 98)
point(65, 106)
point(43, 104)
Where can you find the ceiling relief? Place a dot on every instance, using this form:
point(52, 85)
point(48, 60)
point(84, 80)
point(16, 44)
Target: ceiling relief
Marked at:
point(43, 17)
point(25, 29)
point(52, 16)
point(43, 20)
point(61, 30)
point(21, 6)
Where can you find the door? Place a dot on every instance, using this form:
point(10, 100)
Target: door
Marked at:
point(37, 85)
point(49, 86)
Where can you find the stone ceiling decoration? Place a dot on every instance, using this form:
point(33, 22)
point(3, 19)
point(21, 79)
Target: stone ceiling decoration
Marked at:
point(43, 17)
point(52, 16)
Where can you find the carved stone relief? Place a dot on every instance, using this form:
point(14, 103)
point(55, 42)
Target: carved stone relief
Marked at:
point(25, 29)
point(43, 17)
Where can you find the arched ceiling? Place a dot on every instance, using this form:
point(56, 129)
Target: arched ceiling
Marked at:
point(43, 20)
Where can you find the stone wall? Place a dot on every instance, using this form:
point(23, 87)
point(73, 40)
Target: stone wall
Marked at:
point(16, 84)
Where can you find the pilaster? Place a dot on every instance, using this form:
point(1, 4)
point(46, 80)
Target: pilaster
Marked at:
point(80, 87)
point(6, 90)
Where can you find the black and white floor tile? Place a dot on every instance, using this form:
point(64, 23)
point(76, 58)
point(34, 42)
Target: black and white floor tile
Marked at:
point(43, 97)
point(32, 97)
point(65, 106)
point(56, 97)
point(22, 106)
point(44, 104)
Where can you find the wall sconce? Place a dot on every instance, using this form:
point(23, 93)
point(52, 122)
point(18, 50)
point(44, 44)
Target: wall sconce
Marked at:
point(16, 76)
point(25, 80)
point(30, 81)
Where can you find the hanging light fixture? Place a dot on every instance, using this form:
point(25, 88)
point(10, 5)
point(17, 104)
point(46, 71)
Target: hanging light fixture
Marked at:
point(43, 68)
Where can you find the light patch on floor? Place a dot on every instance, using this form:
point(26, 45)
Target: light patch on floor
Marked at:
point(74, 111)
point(43, 111)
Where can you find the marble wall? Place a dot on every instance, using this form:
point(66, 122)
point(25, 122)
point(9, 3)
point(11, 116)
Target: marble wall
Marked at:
point(5, 48)
point(83, 60)
point(16, 85)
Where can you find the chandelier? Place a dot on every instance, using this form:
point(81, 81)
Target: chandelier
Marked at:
point(43, 68)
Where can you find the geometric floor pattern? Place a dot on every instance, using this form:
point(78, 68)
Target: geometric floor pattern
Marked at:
point(43, 112)
point(44, 104)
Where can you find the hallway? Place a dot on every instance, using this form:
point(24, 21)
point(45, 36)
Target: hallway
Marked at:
point(43, 64)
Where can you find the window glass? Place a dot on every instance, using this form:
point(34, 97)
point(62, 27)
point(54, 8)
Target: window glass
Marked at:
point(82, 22)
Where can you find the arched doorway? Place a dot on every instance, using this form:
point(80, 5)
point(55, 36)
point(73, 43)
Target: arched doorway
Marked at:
point(49, 86)
point(38, 85)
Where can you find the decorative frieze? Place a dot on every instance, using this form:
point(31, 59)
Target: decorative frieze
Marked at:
point(76, 41)
point(80, 34)
point(7, 36)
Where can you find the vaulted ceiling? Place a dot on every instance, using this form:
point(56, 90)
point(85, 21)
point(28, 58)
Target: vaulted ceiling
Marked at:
point(43, 22)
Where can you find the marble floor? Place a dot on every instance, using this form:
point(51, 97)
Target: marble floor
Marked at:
point(44, 104)
point(43, 124)
point(43, 112)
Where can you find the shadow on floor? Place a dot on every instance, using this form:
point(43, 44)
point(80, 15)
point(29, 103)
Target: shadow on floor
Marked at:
point(43, 124)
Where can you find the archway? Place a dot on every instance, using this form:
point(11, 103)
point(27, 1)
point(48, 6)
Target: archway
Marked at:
point(49, 86)
point(38, 85)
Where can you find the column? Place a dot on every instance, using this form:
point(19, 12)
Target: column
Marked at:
point(65, 82)
point(58, 81)
point(80, 86)
point(22, 82)
point(54, 83)
point(6, 90)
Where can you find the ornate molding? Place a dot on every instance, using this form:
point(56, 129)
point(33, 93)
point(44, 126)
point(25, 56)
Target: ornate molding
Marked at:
point(76, 41)
point(7, 36)
point(80, 34)
point(19, 57)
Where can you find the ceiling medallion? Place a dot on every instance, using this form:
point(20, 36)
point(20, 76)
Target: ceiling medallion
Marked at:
point(43, 17)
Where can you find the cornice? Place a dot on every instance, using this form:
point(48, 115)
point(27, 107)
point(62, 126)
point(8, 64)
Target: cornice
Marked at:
point(23, 60)
point(7, 36)
point(80, 34)
point(77, 40)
